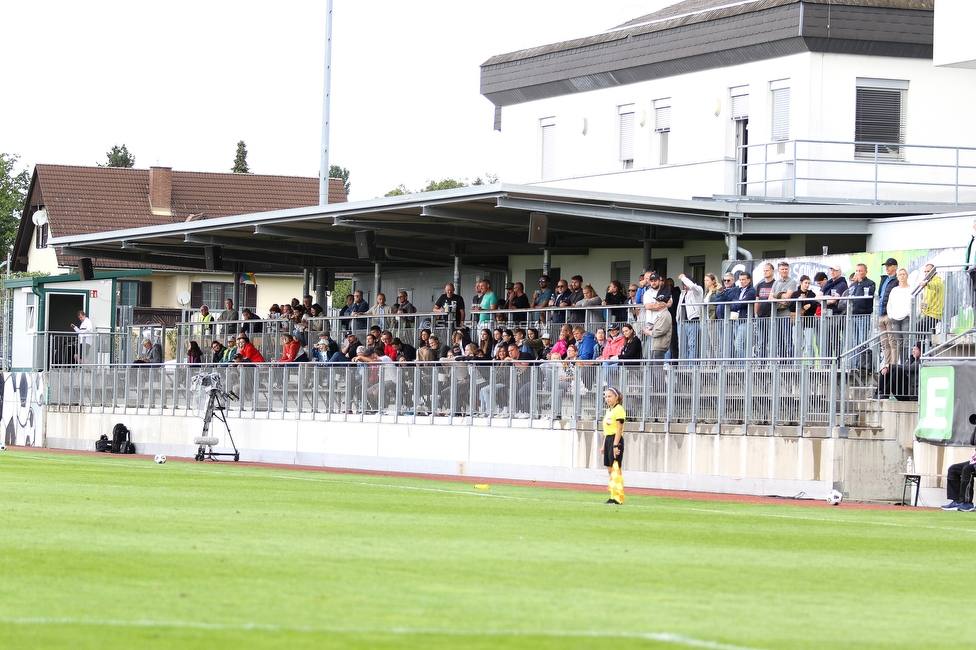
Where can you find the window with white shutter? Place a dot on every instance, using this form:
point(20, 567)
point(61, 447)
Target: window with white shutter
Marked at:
point(780, 115)
point(662, 125)
point(740, 102)
point(548, 126)
point(626, 114)
point(879, 118)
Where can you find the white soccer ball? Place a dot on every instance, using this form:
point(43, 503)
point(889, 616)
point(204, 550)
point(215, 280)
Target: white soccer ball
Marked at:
point(160, 458)
point(834, 498)
point(3, 446)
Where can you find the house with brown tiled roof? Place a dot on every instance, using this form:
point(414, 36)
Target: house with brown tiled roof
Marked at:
point(66, 200)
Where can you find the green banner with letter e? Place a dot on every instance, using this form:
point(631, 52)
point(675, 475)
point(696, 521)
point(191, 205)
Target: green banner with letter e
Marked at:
point(946, 400)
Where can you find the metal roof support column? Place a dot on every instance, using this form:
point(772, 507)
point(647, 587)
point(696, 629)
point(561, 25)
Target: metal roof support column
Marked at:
point(646, 266)
point(457, 274)
point(732, 239)
point(320, 287)
point(306, 284)
point(546, 261)
point(376, 280)
point(237, 293)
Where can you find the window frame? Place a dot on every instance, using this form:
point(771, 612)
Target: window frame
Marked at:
point(547, 146)
point(869, 97)
point(626, 134)
point(779, 110)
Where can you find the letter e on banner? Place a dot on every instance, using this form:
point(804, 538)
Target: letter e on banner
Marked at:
point(936, 401)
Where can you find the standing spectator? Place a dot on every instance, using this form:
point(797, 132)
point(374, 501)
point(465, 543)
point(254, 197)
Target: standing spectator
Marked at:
point(206, 317)
point(344, 313)
point(739, 308)
point(403, 306)
point(575, 295)
point(763, 311)
point(861, 291)
point(359, 308)
point(712, 344)
point(489, 302)
point(85, 330)
point(804, 313)
point(660, 336)
point(888, 282)
point(689, 317)
point(541, 298)
point(379, 309)
point(899, 313)
point(933, 299)
point(615, 296)
point(673, 308)
point(590, 299)
point(632, 299)
point(451, 302)
point(519, 301)
point(783, 289)
point(560, 298)
point(656, 299)
point(229, 314)
point(834, 310)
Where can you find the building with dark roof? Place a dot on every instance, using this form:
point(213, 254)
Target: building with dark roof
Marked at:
point(69, 201)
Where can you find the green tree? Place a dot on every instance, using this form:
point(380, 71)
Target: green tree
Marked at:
point(119, 157)
point(489, 179)
point(13, 195)
point(335, 171)
point(432, 186)
point(443, 184)
point(240, 160)
point(342, 289)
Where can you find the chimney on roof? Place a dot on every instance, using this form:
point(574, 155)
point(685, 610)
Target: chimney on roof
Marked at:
point(161, 190)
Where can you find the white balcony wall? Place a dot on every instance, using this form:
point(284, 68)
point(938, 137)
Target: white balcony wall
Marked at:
point(954, 44)
point(701, 148)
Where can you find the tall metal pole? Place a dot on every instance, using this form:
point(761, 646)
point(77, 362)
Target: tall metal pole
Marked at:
point(327, 83)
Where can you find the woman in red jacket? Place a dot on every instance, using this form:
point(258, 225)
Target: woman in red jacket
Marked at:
point(247, 350)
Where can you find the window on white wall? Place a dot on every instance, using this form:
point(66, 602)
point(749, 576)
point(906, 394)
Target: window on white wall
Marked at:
point(627, 134)
point(548, 127)
point(780, 91)
point(662, 126)
point(879, 118)
point(740, 102)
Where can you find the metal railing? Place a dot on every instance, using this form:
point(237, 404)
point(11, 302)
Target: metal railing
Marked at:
point(755, 396)
point(868, 171)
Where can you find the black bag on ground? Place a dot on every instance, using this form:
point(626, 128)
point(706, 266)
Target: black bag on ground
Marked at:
point(103, 444)
point(120, 440)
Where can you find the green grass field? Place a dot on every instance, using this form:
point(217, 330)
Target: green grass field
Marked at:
point(113, 552)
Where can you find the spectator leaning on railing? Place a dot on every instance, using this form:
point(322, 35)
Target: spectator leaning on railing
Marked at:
point(933, 299)
point(886, 284)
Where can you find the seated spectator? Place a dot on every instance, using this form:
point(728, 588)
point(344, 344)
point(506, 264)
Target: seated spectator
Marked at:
point(348, 351)
point(632, 344)
point(611, 351)
point(194, 354)
point(601, 340)
point(440, 351)
point(585, 343)
point(152, 353)
point(959, 482)
point(404, 351)
point(221, 355)
point(900, 381)
point(246, 349)
point(274, 312)
point(565, 338)
point(324, 348)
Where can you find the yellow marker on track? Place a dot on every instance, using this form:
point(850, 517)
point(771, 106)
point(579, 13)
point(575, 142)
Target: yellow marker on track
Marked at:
point(481, 486)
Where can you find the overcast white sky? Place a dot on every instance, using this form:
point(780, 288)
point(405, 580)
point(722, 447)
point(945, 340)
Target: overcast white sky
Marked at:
point(181, 82)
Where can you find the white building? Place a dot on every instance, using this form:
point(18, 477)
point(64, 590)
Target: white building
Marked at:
point(762, 98)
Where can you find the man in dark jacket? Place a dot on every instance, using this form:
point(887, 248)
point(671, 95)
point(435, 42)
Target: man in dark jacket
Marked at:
point(739, 309)
point(861, 291)
point(833, 310)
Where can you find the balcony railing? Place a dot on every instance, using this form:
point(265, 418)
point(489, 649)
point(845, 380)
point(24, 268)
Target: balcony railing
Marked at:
point(871, 172)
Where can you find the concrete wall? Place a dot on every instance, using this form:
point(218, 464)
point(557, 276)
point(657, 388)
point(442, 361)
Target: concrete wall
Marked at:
point(865, 467)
